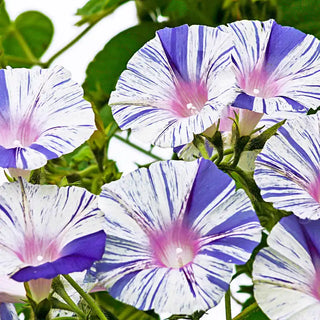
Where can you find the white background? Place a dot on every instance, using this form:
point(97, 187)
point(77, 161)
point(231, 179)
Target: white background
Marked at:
point(76, 59)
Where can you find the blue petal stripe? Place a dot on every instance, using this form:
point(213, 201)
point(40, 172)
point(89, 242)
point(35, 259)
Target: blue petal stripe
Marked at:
point(244, 101)
point(210, 179)
point(4, 98)
point(281, 41)
point(200, 53)
point(174, 42)
point(48, 153)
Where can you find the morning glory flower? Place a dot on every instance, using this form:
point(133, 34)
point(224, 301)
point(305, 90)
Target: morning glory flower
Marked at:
point(288, 168)
point(46, 231)
point(286, 275)
point(176, 85)
point(42, 116)
point(277, 68)
point(175, 231)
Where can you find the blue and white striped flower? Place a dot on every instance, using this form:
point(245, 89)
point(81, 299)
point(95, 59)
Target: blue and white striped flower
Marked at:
point(175, 231)
point(286, 275)
point(42, 116)
point(176, 85)
point(288, 168)
point(46, 231)
point(8, 312)
point(277, 68)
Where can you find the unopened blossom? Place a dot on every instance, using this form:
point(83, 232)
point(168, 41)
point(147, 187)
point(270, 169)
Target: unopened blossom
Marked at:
point(277, 68)
point(288, 168)
point(46, 231)
point(286, 274)
point(42, 116)
point(176, 85)
point(175, 231)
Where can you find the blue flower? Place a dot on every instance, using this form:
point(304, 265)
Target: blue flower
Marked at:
point(48, 231)
point(277, 68)
point(176, 85)
point(42, 116)
point(175, 231)
point(288, 168)
point(286, 275)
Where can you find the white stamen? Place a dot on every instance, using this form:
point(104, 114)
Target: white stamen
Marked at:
point(179, 250)
point(179, 256)
point(190, 106)
point(256, 91)
point(39, 258)
point(17, 143)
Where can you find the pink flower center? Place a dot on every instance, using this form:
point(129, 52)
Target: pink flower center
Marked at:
point(21, 134)
point(38, 251)
point(189, 98)
point(174, 247)
point(258, 83)
point(314, 189)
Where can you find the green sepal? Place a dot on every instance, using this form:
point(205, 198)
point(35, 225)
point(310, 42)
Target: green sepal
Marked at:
point(42, 309)
point(239, 147)
point(258, 142)
point(199, 143)
point(217, 142)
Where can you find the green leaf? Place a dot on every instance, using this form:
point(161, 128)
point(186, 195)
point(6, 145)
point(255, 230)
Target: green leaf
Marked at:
point(108, 121)
point(28, 37)
point(95, 6)
point(96, 9)
point(104, 71)
point(194, 12)
point(149, 10)
point(249, 9)
point(4, 18)
point(120, 310)
point(303, 15)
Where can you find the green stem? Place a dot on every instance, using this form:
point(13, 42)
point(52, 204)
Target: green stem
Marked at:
point(87, 171)
point(91, 302)
point(70, 44)
point(225, 153)
point(133, 145)
point(227, 299)
point(240, 144)
point(59, 289)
